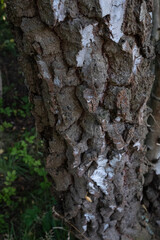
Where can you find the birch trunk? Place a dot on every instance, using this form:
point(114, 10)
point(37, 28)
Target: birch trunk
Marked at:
point(87, 66)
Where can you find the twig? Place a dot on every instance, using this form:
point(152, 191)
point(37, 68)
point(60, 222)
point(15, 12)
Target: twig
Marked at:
point(69, 236)
point(61, 228)
point(56, 214)
point(155, 120)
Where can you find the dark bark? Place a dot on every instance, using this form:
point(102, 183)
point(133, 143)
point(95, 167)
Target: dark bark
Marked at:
point(151, 197)
point(88, 72)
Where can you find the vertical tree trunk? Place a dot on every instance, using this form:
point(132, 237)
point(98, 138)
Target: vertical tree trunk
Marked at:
point(87, 65)
point(152, 179)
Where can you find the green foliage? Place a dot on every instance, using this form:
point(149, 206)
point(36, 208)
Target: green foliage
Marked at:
point(32, 206)
point(11, 177)
point(7, 43)
point(23, 111)
point(5, 125)
point(30, 216)
point(25, 195)
point(6, 194)
point(6, 111)
point(4, 225)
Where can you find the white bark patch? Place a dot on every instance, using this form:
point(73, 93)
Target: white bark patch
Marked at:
point(157, 168)
point(100, 174)
point(89, 217)
point(59, 10)
point(151, 15)
point(138, 145)
point(57, 82)
point(114, 8)
point(106, 226)
point(87, 35)
point(106, 6)
point(84, 228)
point(142, 113)
point(114, 161)
point(112, 207)
point(110, 172)
point(92, 189)
point(126, 47)
point(83, 55)
point(103, 173)
point(44, 69)
point(110, 175)
point(143, 13)
point(120, 209)
point(117, 13)
point(137, 58)
point(118, 119)
point(87, 38)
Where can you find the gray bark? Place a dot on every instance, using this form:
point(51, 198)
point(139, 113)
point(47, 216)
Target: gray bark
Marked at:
point(87, 65)
point(152, 179)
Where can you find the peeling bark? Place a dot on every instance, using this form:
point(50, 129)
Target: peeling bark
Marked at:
point(87, 65)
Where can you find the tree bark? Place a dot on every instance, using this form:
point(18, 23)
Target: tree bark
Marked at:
point(152, 179)
point(88, 69)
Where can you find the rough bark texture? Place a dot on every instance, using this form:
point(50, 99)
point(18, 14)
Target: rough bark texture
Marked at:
point(87, 65)
point(152, 178)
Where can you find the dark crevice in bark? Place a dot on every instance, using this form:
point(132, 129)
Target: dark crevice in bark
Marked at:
point(151, 197)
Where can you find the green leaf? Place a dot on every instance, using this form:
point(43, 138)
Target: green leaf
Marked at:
point(47, 221)
point(30, 215)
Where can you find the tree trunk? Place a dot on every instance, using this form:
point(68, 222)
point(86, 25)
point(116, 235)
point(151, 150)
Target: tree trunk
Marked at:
point(88, 68)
